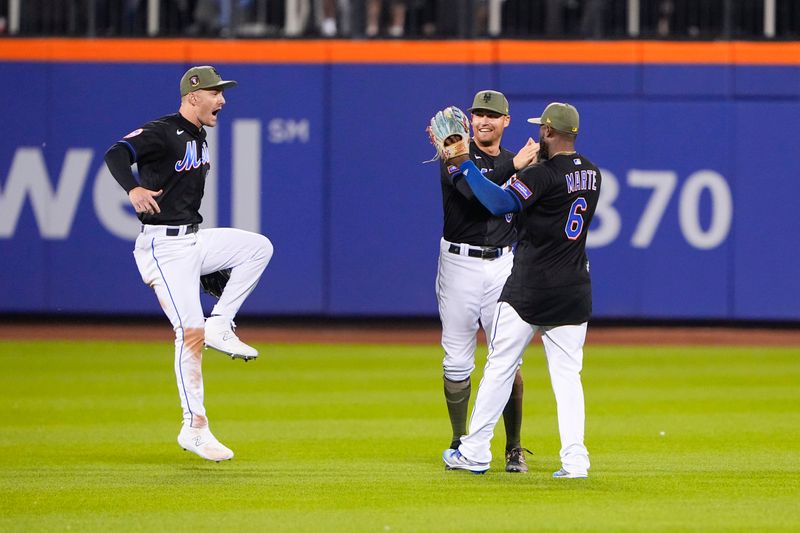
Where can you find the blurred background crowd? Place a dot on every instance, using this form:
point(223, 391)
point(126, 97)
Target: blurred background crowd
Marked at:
point(535, 19)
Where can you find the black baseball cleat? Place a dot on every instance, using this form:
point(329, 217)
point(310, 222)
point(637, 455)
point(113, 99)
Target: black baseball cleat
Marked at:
point(515, 460)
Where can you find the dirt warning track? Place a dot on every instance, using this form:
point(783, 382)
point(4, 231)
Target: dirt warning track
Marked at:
point(266, 331)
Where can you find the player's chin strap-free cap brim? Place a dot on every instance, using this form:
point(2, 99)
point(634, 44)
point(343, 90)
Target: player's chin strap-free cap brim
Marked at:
point(224, 84)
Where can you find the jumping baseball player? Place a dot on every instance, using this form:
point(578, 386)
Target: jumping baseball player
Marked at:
point(549, 289)
point(475, 258)
point(172, 253)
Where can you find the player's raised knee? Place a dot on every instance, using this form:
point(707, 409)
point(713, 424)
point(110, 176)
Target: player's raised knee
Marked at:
point(264, 249)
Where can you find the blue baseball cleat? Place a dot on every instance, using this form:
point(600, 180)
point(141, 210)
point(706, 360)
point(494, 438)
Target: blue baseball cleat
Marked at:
point(453, 460)
point(563, 474)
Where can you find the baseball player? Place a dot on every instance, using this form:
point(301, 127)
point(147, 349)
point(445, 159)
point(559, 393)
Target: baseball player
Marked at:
point(549, 289)
point(475, 258)
point(171, 251)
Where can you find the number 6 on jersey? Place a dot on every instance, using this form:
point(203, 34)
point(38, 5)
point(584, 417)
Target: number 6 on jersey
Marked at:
point(574, 225)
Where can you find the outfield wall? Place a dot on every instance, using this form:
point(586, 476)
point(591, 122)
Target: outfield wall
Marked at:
point(321, 147)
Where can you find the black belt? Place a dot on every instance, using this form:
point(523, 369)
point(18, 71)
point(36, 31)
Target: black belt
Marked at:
point(484, 252)
point(174, 232)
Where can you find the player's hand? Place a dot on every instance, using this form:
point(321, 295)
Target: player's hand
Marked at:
point(144, 200)
point(526, 155)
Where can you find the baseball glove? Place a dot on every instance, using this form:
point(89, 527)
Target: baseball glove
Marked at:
point(445, 123)
point(215, 282)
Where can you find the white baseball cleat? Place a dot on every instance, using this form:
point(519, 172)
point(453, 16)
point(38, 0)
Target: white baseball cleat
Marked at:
point(563, 474)
point(202, 442)
point(453, 460)
point(219, 335)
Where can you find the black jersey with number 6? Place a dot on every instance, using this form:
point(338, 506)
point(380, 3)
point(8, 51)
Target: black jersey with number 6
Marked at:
point(550, 282)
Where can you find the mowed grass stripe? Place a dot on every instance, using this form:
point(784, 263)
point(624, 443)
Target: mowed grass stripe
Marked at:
point(349, 437)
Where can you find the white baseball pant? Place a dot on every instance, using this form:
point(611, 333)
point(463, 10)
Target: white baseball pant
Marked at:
point(467, 289)
point(172, 266)
point(563, 346)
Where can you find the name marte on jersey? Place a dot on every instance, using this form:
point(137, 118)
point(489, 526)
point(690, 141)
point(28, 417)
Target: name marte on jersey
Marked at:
point(581, 180)
point(190, 159)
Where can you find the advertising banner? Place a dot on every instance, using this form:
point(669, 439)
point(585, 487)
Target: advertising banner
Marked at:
point(325, 157)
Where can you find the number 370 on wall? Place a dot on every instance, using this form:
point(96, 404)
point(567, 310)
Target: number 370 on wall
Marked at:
point(607, 222)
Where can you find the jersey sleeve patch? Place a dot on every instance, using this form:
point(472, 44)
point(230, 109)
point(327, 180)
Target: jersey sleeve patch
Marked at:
point(508, 182)
point(134, 133)
point(522, 189)
point(452, 169)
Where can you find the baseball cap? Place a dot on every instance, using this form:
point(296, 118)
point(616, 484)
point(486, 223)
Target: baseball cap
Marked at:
point(561, 117)
point(205, 77)
point(490, 101)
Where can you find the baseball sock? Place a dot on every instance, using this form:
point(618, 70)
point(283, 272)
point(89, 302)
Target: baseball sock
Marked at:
point(512, 414)
point(457, 395)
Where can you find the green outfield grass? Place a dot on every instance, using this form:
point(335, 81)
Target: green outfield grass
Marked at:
point(349, 438)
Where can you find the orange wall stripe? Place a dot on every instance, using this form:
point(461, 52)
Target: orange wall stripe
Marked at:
point(257, 51)
point(602, 52)
point(395, 52)
point(713, 53)
point(766, 53)
point(476, 51)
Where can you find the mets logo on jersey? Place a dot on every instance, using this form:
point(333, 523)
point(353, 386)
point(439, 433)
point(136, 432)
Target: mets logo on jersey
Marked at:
point(190, 158)
point(522, 189)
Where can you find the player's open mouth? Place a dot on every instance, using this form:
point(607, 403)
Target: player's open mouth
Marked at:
point(216, 111)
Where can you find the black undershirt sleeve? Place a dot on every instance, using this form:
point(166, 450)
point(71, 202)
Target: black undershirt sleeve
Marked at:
point(118, 160)
point(503, 170)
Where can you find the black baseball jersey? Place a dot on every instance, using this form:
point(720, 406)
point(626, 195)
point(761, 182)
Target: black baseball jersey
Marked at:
point(550, 282)
point(465, 218)
point(172, 155)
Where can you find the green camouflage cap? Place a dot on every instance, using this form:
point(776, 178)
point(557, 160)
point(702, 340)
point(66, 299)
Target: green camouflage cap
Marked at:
point(561, 117)
point(490, 101)
point(205, 77)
